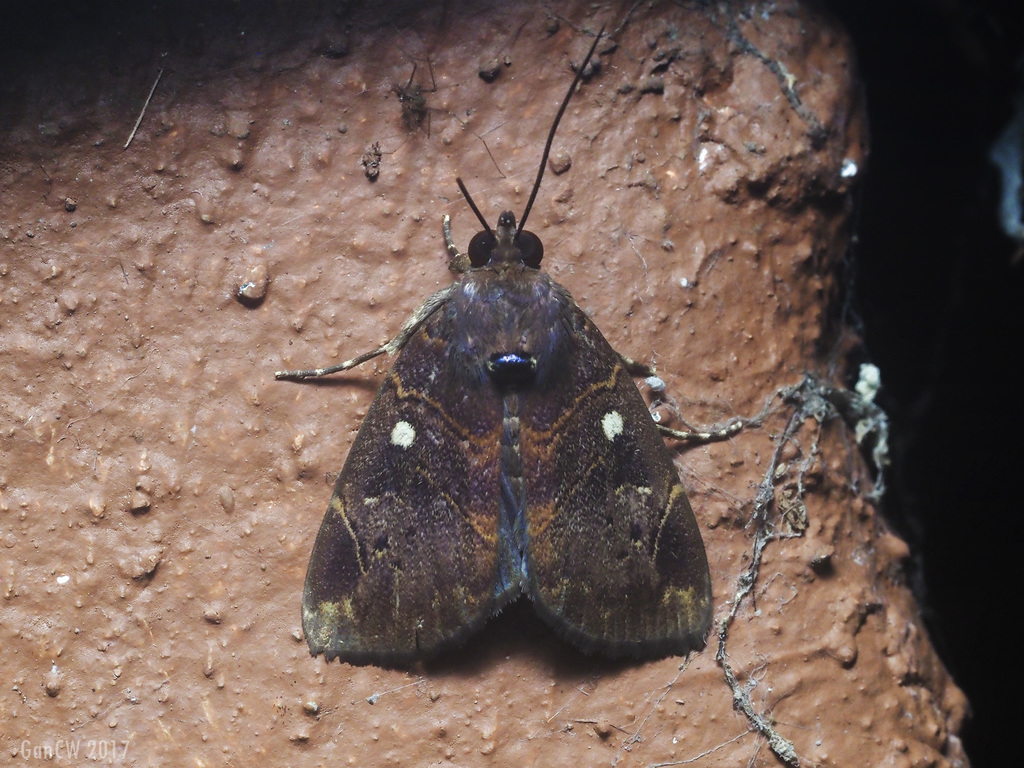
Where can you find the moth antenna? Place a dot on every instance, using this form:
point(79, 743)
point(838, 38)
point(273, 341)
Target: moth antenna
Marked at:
point(465, 193)
point(551, 133)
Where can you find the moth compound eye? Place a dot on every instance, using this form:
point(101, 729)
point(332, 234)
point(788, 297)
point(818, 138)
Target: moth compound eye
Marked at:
point(531, 248)
point(480, 249)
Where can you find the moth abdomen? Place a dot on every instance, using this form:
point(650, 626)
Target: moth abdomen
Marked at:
point(511, 522)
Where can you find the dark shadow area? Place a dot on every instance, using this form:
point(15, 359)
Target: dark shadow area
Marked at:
point(941, 304)
point(518, 630)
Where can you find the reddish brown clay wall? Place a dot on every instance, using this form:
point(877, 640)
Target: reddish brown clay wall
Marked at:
point(160, 492)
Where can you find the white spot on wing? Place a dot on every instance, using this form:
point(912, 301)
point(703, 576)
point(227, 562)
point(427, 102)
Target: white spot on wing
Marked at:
point(403, 434)
point(612, 424)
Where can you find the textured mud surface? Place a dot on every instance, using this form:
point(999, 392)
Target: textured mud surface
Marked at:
point(160, 492)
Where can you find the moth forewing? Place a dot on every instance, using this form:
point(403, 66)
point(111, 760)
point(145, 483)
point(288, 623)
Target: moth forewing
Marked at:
point(615, 558)
point(406, 557)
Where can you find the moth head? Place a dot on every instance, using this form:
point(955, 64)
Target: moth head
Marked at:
point(506, 245)
point(510, 245)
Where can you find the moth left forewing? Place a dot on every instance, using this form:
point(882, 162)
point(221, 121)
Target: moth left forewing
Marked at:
point(406, 560)
point(615, 561)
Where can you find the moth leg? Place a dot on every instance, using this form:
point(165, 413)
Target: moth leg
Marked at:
point(724, 432)
point(714, 434)
point(459, 262)
point(636, 368)
point(312, 373)
point(411, 326)
point(721, 431)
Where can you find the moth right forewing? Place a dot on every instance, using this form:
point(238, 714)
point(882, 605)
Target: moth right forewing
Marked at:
point(406, 560)
point(615, 559)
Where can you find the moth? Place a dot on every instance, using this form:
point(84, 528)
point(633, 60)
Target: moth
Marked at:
point(507, 453)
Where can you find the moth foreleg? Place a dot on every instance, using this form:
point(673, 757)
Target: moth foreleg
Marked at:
point(459, 262)
point(411, 326)
point(312, 373)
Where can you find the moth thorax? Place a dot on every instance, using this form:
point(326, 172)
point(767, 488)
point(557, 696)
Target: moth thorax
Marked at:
point(512, 370)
